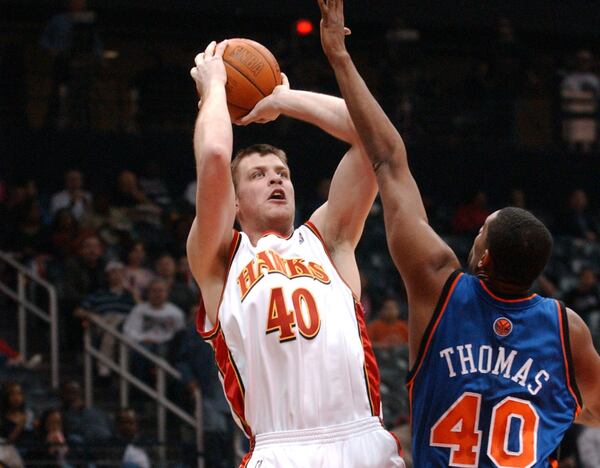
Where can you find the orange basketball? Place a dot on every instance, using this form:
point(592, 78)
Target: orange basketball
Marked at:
point(252, 74)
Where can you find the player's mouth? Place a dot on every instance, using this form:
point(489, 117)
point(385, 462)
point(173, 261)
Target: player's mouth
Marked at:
point(277, 195)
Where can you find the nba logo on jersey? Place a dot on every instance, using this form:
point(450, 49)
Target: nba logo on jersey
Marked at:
point(503, 326)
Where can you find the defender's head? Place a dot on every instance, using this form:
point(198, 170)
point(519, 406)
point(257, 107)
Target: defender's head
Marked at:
point(512, 246)
point(264, 194)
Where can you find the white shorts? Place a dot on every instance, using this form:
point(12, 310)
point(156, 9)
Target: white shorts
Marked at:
point(357, 444)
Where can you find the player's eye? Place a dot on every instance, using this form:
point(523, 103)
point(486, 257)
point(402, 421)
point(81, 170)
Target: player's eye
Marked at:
point(257, 174)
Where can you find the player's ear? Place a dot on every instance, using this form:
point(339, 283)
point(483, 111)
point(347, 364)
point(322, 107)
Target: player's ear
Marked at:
point(485, 261)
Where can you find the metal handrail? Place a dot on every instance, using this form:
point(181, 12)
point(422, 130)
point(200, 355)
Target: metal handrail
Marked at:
point(160, 362)
point(121, 368)
point(25, 306)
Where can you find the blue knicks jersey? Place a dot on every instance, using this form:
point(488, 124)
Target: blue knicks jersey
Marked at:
point(492, 385)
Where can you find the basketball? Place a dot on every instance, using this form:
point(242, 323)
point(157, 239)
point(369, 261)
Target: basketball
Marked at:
point(252, 74)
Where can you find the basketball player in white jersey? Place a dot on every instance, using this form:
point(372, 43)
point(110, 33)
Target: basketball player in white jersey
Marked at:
point(280, 305)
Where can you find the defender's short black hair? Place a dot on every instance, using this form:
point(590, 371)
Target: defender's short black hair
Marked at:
point(519, 245)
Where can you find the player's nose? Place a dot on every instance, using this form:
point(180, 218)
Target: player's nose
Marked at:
point(275, 178)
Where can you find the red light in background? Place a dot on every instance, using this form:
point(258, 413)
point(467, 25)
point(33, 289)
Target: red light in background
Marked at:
point(304, 27)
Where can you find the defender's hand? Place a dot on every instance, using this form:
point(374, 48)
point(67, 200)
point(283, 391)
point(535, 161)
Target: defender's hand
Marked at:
point(332, 27)
point(267, 109)
point(209, 68)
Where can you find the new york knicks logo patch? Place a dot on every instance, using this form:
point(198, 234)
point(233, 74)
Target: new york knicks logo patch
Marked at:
point(503, 326)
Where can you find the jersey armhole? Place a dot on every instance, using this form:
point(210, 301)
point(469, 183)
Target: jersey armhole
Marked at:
point(566, 347)
point(447, 291)
point(312, 228)
point(201, 318)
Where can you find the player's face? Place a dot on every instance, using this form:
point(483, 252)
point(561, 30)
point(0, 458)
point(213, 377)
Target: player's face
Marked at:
point(265, 194)
point(480, 245)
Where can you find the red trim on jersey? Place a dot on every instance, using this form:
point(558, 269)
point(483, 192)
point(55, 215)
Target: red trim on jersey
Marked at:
point(417, 365)
point(410, 387)
point(317, 233)
point(566, 359)
point(398, 443)
point(371, 369)
point(232, 382)
point(248, 456)
point(521, 299)
point(201, 314)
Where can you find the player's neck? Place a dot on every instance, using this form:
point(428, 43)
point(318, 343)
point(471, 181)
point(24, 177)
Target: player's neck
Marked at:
point(504, 289)
point(256, 234)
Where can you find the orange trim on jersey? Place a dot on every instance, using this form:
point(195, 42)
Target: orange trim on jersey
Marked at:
point(248, 456)
point(316, 232)
point(201, 315)
point(417, 365)
point(566, 359)
point(232, 382)
point(370, 368)
point(521, 299)
point(553, 463)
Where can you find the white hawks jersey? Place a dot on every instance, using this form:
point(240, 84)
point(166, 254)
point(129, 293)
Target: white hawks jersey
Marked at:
point(290, 339)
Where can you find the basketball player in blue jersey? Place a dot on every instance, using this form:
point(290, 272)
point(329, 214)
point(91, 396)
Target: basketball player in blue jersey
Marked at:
point(498, 374)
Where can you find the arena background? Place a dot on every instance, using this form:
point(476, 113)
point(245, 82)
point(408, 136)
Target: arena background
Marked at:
point(497, 102)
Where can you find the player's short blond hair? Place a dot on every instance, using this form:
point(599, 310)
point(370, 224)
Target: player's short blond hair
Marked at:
point(262, 149)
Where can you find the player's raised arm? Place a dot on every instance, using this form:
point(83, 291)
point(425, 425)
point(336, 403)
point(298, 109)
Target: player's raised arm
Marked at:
point(423, 259)
point(326, 112)
point(353, 187)
point(586, 363)
point(213, 140)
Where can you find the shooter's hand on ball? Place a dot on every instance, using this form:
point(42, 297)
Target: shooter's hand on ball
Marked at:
point(268, 108)
point(209, 69)
point(332, 28)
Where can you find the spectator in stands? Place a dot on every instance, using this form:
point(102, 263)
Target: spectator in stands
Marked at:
point(11, 359)
point(50, 448)
point(28, 237)
point(71, 39)
point(185, 275)
point(470, 217)
point(579, 92)
point(137, 276)
point(83, 274)
point(132, 201)
point(112, 304)
point(179, 294)
point(67, 234)
point(73, 197)
point(88, 426)
point(189, 196)
point(585, 297)
point(388, 330)
point(578, 222)
point(16, 423)
point(153, 186)
point(153, 324)
point(128, 193)
point(194, 358)
point(588, 445)
point(130, 445)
